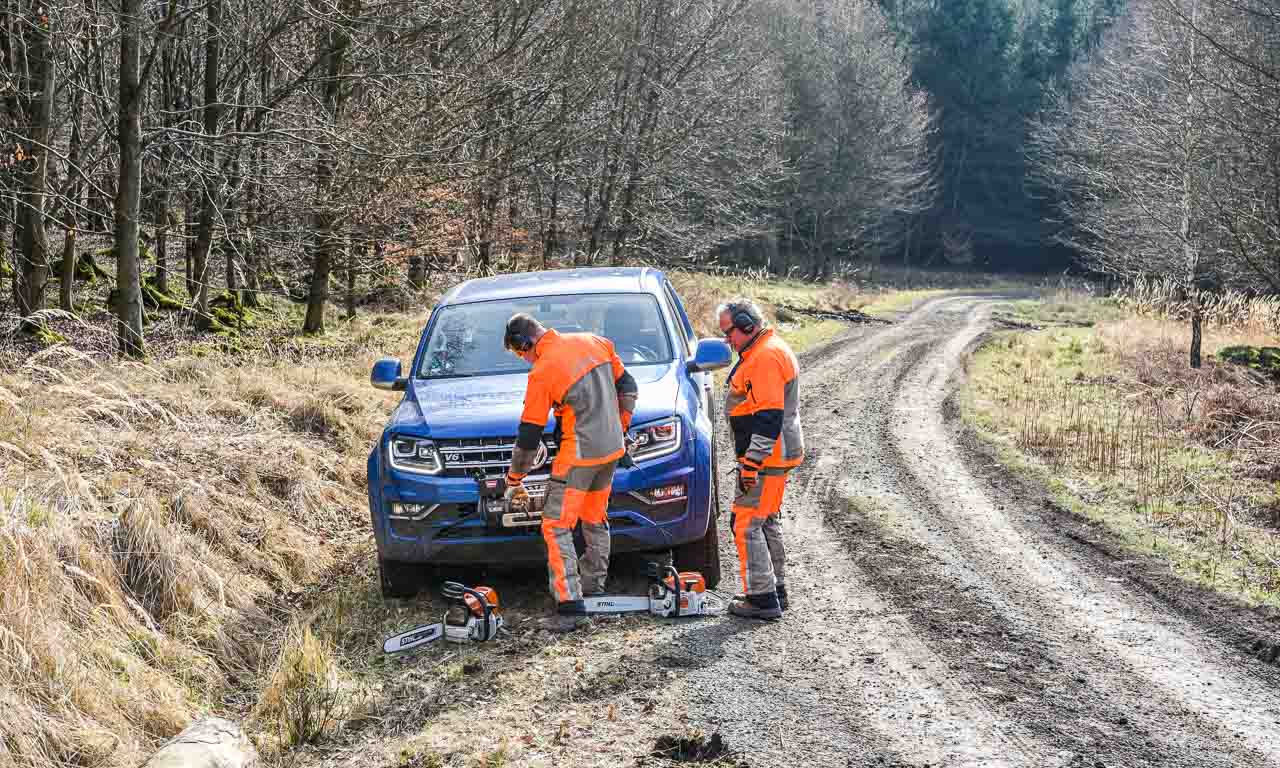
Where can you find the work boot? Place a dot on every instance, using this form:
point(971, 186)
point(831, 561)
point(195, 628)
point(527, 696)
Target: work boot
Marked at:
point(782, 596)
point(571, 607)
point(757, 606)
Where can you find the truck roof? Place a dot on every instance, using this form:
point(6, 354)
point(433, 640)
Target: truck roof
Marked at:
point(553, 281)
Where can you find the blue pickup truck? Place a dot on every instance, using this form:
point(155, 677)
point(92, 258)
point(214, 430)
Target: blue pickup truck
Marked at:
point(456, 425)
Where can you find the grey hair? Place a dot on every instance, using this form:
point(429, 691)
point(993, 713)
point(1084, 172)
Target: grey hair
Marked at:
point(734, 306)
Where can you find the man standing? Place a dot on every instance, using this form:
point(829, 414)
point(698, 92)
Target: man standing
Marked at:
point(762, 397)
point(583, 379)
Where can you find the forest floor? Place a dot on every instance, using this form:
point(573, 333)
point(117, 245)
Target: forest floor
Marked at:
point(191, 536)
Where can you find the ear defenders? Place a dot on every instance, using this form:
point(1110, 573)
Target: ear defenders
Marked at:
point(517, 341)
point(743, 322)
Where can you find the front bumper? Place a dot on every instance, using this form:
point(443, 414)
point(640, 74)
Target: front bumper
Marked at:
point(457, 533)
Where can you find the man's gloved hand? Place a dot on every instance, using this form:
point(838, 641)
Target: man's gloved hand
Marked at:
point(626, 462)
point(748, 474)
point(516, 497)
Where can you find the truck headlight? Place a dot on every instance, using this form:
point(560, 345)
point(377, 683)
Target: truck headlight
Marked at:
point(412, 454)
point(655, 439)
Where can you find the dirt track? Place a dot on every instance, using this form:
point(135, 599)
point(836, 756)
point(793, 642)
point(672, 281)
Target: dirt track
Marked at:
point(940, 619)
point(942, 614)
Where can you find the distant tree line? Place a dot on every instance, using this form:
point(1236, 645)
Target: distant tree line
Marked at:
point(1161, 150)
point(232, 147)
point(988, 66)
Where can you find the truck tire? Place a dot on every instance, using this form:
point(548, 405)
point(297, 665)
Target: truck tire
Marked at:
point(399, 580)
point(703, 555)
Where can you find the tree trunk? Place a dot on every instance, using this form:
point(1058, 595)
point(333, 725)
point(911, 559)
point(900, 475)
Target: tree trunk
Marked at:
point(351, 282)
point(67, 294)
point(67, 298)
point(1197, 318)
point(161, 211)
point(129, 190)
point(209, 158)
point(189, 244)
point(38, 111)
point(335, 47)
point(1191, 254)
point(251, 245)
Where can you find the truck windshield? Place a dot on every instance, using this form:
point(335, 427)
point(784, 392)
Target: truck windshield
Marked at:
point(466, 339)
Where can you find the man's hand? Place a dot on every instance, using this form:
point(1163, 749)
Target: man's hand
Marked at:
point(516, 497)
point(748, 474)
point(625, 461)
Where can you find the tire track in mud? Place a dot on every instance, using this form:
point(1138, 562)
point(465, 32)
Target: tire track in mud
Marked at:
point(966, 661)
point(847, 681)
point(1174, 673)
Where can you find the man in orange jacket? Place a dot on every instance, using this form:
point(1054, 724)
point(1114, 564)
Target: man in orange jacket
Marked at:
point(762, 401)
point(583, 379)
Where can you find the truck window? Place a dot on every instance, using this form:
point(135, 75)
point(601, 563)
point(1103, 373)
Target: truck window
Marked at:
point(682, 319)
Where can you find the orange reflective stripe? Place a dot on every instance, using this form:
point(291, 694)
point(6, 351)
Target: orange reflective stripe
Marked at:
point(556, 561)
point(595, 507)
point(740, 539)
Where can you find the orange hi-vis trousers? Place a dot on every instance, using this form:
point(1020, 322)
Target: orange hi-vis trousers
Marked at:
point(580, 495)
point(757, 531)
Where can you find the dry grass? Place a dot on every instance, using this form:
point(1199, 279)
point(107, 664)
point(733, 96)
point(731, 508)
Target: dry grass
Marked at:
point(307, 696)
point(151, 515)
point(1180, 459)
point(1229, 309)
point(702, 293)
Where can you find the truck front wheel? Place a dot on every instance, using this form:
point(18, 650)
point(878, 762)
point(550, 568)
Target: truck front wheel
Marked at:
point(400, 580)
point(703, 555)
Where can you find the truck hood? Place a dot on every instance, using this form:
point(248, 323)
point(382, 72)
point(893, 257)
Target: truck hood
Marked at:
point(491, 405)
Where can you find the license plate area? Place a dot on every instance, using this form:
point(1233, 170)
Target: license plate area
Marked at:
point(537, 495)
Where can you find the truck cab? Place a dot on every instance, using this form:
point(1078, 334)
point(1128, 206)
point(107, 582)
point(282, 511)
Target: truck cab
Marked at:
point(456, 424)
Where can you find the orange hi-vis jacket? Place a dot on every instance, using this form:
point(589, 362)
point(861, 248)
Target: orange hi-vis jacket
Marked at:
point(762, 400)
point(581, 377)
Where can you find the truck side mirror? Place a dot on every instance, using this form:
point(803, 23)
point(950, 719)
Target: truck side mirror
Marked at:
point(387, 375)
point(711, 355)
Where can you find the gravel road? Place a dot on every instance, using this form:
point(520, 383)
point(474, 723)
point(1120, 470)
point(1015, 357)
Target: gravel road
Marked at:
point(941, 616)
point(943, 613)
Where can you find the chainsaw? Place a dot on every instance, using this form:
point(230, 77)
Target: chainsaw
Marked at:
point(474, 617)
point(672, 594)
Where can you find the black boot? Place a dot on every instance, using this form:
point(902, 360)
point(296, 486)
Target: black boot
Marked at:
point(757, 606)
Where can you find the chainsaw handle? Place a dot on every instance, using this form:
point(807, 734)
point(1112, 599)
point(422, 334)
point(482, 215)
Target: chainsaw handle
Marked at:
point(656, 572)
point(675, 579)
point(457, 592)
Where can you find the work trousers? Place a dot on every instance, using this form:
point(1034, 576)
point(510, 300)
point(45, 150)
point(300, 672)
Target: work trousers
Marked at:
point(757, 531)
point(582, 495)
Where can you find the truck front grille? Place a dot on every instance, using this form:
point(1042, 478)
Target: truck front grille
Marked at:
point(492, 455)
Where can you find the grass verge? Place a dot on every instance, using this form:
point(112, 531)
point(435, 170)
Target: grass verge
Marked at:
point(1101, 407)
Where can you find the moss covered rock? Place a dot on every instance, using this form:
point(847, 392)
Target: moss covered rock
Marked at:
point(154, 298)
point(1264, 360)
point(87, 269)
